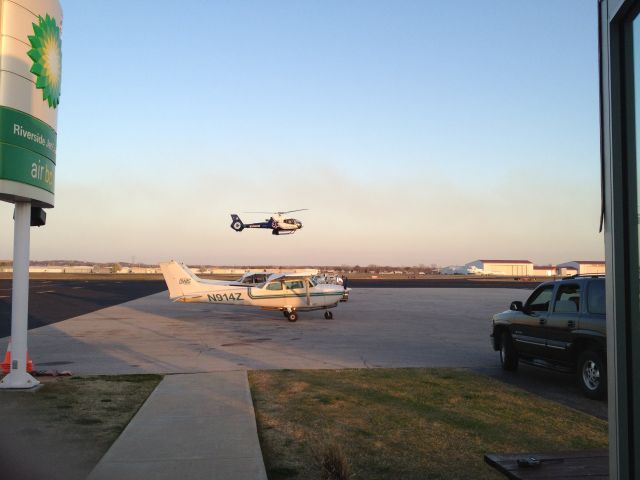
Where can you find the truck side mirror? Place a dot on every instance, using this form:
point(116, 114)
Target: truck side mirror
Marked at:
point(517, 306)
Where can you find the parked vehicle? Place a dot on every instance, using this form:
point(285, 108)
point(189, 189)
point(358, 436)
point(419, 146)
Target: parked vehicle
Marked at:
point(560, 326)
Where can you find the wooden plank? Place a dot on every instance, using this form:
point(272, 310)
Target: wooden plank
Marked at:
point(585, 464)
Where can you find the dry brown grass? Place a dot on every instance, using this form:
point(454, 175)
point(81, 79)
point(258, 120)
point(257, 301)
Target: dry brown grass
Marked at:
point(406, 423)
point(333, 463)
point(62, 429)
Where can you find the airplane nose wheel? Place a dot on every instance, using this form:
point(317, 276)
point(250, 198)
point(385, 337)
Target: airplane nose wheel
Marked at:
point(328, 315)
point(291, 316)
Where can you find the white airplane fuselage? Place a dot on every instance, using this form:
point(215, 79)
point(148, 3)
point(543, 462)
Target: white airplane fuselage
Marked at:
point(319, 297)
point(280, 292)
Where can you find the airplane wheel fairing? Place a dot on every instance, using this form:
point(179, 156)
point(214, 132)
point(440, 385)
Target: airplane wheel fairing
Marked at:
point(328, 315)
point(292, 316)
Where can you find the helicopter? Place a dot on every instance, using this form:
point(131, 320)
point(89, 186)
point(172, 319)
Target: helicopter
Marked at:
point(278, 224)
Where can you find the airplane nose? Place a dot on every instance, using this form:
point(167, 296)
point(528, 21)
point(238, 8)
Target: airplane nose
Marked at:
point(299, 225)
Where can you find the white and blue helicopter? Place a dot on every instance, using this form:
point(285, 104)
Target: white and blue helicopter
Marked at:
point(277, 223)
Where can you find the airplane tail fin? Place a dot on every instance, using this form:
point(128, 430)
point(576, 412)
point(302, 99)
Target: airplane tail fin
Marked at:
point(236, 223)
point(179, 279)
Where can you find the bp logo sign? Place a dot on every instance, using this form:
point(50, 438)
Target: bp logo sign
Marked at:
point(30, 55)
point(46, 53)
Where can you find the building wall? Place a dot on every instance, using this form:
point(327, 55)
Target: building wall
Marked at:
point(516, 269)
point(584, 268)
point(566, 271)
point(591, 268)
point(544, 272)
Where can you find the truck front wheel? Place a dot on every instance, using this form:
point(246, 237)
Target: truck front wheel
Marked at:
point(508, 353)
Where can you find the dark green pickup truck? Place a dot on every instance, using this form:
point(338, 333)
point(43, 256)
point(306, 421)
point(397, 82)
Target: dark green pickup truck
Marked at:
point(560, 326)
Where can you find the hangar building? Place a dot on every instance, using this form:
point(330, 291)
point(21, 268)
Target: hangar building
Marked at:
point(582, 267)
point(501, 267)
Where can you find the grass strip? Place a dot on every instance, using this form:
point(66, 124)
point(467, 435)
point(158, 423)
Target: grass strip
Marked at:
point(405, 423)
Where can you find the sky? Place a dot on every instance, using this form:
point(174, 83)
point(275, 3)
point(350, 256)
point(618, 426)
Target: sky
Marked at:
point(415, 132)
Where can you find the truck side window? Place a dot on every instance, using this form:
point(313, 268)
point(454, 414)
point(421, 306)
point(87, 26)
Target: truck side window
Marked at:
point(596, 300)
point(540, 299)
point(568, 299)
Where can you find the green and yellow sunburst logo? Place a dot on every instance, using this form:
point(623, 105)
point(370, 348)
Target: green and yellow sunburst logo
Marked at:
point(46, 54)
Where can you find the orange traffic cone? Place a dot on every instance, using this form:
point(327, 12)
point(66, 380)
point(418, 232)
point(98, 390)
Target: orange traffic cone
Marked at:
point(6, 364)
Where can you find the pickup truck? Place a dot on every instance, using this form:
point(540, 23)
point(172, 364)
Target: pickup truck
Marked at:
point(562, 326)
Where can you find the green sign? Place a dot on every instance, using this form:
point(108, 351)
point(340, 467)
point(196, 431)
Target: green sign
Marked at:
point(27, 149)
point(25, 166)
point(23, 130)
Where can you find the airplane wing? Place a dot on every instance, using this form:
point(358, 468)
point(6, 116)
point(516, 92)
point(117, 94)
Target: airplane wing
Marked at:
point(280, 276)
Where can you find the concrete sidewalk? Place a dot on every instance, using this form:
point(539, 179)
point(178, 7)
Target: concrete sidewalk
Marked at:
point(193, 426)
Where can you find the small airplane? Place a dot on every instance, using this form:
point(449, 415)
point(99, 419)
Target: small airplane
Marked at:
point(289, 293)
point(278, 224)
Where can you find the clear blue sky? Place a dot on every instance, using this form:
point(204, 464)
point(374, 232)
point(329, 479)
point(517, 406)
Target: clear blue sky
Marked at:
point(415, 131)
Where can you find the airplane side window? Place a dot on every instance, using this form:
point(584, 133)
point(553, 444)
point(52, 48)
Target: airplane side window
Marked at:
point(294, 284)
point(274, 286)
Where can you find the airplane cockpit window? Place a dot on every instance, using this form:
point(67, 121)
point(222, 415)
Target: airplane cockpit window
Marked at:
point(274, 286)
point(312, 282)
point(253, 278)
point(293, 284)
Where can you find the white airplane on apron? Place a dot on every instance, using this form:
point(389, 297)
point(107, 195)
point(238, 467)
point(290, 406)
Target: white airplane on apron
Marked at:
point(288, 292)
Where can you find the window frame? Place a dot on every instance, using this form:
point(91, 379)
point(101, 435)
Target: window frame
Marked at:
point(556, 297)
point(620, 221)
point(540, 289)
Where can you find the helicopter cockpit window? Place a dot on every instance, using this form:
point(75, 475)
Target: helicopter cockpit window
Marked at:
point(290, 221)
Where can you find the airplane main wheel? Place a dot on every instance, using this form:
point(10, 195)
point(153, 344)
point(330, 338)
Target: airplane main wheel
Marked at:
point(237, 226)
point(292, 316)
point(328, 315)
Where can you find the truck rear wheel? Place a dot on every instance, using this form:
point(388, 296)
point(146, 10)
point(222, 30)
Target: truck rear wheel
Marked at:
point(592, 374)
point(508, 353)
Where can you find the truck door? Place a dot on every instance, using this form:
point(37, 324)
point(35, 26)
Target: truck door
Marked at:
point(562, 320)
point(526, 329)
point(593, 317)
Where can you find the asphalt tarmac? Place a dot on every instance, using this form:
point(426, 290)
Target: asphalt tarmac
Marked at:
point(52, 301)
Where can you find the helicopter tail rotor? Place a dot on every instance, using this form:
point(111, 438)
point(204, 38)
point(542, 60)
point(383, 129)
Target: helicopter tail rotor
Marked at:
point(236, 223)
